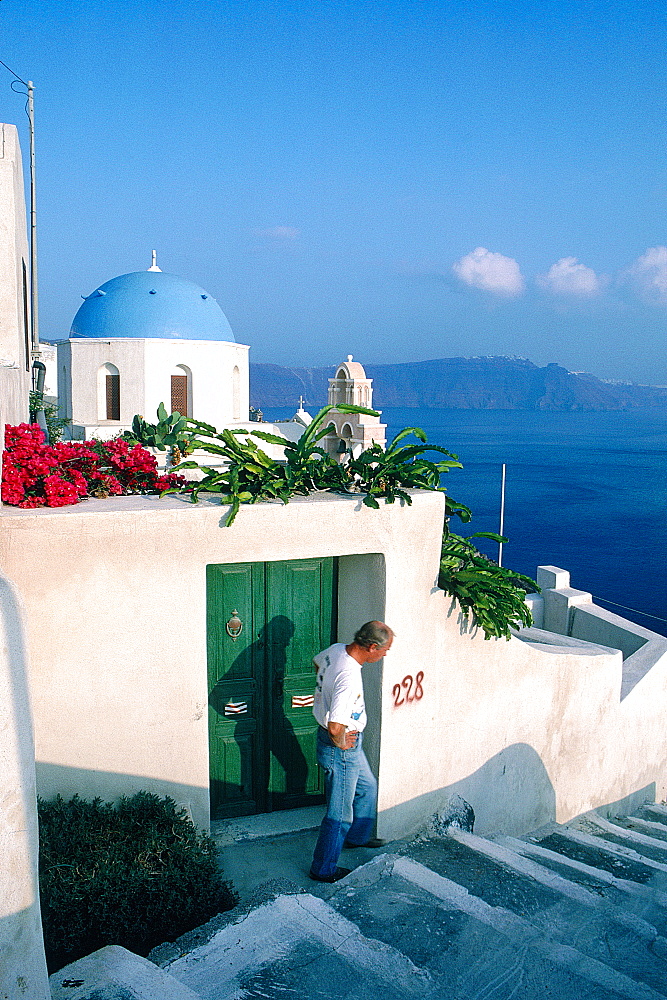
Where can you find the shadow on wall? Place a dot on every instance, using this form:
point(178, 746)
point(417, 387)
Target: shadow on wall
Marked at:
point(466, 623)
point(510, 794)
point(22, 964)
point(56, 779)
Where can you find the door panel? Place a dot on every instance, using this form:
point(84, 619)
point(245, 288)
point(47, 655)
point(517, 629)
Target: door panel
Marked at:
point(262, 730)
point(236, 689)
point(299, 599)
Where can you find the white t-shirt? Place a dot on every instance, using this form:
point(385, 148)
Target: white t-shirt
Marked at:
point(339, 692)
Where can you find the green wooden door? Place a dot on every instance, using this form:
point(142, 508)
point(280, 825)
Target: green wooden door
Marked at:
point(261, 727)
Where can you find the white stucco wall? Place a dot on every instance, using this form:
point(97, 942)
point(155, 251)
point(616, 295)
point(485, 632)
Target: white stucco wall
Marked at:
point(22, 963)
point(13, 250)
point(145, 368)
point(212, 365)
point(115, 599)
point(15, 360)
point(79, 362)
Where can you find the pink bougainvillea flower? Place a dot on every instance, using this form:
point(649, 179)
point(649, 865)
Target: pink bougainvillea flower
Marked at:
point(36, 474)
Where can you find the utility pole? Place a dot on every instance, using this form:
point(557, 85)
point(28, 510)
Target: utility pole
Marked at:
point(34, 309)
point(34, 312)
point(502, 516)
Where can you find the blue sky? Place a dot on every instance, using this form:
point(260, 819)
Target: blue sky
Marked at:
point(400, 180)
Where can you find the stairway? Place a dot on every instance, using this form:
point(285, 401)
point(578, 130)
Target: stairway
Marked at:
point(576, 911)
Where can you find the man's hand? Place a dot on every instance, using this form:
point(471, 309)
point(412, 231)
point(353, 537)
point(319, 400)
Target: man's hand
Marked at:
point(344, 738)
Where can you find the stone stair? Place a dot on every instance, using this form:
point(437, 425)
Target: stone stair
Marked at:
point(576, 911)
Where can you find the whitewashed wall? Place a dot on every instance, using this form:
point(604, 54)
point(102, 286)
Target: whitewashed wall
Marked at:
point(114, 595)
point(145, 368)
point(14, 359)
point(22, 963)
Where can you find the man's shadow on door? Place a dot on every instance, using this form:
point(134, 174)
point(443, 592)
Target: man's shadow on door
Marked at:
point(271, 789)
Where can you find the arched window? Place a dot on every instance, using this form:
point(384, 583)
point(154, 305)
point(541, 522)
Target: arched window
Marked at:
point(341, 388)
point(181, 391)
point(236, 393)
point(344, 441)
point(108, 393)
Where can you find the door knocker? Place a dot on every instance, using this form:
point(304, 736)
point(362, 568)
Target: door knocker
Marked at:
point(234, 626)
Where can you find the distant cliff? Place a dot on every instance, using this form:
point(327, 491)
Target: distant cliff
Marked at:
point(460, 384)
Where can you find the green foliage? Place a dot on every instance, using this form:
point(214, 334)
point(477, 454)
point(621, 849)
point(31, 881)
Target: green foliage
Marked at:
point(171, 431)
point(135, 875)
point(389, 473)
point(250, 475)
point(492, 595)
point(55, 424)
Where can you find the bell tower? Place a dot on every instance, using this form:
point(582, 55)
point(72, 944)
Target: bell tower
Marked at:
point(352, 431)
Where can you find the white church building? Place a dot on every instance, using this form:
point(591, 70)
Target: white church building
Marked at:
point(147, 338)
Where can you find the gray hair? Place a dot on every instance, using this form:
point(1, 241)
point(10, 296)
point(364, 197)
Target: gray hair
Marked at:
point(373, 634)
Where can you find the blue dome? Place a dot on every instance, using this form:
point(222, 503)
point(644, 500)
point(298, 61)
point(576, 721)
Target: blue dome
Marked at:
point(151, 304)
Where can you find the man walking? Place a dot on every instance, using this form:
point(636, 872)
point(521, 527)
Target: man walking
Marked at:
point(349, 784)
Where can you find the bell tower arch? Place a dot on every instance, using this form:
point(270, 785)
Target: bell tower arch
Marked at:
point(352, 431)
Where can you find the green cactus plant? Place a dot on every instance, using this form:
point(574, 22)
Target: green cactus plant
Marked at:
point(171, 431)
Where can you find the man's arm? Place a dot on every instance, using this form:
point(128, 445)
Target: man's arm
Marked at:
point(343, 737)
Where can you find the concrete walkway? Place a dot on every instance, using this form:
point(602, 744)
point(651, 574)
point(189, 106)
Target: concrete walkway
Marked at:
point(270, 853)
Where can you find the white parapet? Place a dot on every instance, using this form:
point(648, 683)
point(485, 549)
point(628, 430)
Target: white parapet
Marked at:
point(573, 613)
point(22, 963)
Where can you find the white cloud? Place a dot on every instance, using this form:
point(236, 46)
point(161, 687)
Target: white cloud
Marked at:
point(568, 277)
point(492, 272)
point(279, 233)
point(649, 274)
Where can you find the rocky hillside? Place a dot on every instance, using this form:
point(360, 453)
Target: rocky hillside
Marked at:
point(461, 383)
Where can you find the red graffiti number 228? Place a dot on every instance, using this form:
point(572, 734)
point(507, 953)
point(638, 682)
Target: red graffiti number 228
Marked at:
point(410, 689)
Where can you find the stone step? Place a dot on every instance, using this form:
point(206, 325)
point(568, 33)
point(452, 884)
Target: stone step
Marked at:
point(469, 947)
point(584, 896)
point(653, 811)
point(395, 929)
point(297, 944)
point(652, 828)
point(556, 907)
point(648, 846)
point(567, 912)
point(638, 898)
point(616, 858)
point(114, 973)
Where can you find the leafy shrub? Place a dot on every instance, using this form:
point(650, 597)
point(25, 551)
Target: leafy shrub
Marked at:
point(494, 597)
point(389, 473)
point(249, 475)
point(55, 424)
point(135, 874)
point(169, 432)
point(491, 594)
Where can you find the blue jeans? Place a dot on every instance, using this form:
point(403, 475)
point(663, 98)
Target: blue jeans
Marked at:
point(351, 791)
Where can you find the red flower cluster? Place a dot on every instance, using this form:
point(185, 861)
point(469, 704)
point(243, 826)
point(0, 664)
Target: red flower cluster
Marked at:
point(35, 474)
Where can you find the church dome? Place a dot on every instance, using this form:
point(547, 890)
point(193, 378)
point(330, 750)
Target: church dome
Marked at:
point(151, 305)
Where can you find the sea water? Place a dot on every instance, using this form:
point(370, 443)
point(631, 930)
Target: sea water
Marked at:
point(584, 491)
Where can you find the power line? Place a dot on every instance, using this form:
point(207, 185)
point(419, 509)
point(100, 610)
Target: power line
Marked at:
point(626, 608)
point(24, 82)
